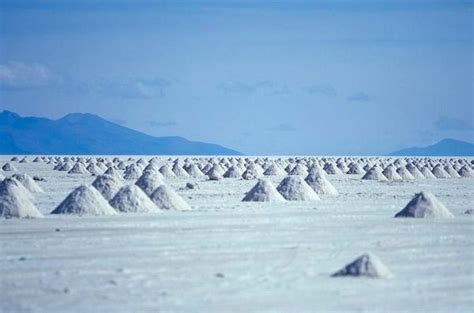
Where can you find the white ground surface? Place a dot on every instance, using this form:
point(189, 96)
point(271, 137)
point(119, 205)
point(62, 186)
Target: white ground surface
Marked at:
point(230, 256)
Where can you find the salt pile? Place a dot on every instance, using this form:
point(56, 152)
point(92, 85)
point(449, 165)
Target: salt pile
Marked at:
point(132, 172)
point(166, 171)
point(374, 174)
point(332, 169)
point(94, 169)
point(466, 171)
point(439, 172)
point(451, 171)
point(263, 191)
point(107, 185)
point(404, 173)
point(194, 171)
point(415, 171)
point(8, 167)
point(296, 189)
point(78, 168)
point(84, 200)
point(131, 198)
point(274, 170)
point(233, 172)
point(299, 169)
point(167, 199)
point(427, 173)
point(367, 265)
point(179, 171)
point(425, 204)
point(14, 202)
point(320, 184)
point(355, 169)
point(391, 174)
point(148, 182)
point(28, 182)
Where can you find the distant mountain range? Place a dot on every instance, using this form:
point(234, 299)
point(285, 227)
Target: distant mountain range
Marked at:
point(446, 147)
point(79, 133)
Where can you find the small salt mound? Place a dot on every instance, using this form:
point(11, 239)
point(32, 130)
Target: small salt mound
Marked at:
point(367, 265)
point(299, 169)
point(152, 168)
point(166, 171)
point(78, 168)
point(404, 173)
point(28, 182)
point(179, 171)
point(374, 174)
point(274, 170)
point(194, 171)
point(8, 167)
point(167, 199)
point(107, 185)
point(14, 159)
point(425, 204)
point(132, 172)
point(37, 160)
point(113, 172)
point(296, 189)
point(264, 191)
point(451, 171)
point(250, 174)
point(391, 174)
point(14, 202)
point(332, 169)
point(427, 173)
point(415, 171)
point(320, 184)
point(466, 171)
point(439, 172)
point(94, 169)
point(66, 167)
point(148, 182)
point(84, 200)
point(355, 169)
point(233, 172)
point(131, 198)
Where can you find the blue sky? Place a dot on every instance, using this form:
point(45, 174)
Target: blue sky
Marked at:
point(262, 77)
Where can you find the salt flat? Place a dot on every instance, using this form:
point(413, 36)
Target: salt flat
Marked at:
point(231, 256)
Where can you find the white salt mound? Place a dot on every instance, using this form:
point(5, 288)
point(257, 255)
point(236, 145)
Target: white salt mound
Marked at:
point(391, 174)
point(28, 182)
point(132, 172)
point(296, 189)
point(148, 182)
point(167, 199)
point(132, 198)
point(264, 191)
point(84, 200)
point(425, 204)
point(107, 185)
point(166, 171)
point(78, 168)
point(8, 167)
point(14, 202)
point(320, 184)
point(367, 265)
point(466, 171)
point(374, 174)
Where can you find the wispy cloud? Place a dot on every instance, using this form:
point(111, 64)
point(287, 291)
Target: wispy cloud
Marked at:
point(19, 75)
point(321, 89)
point(162, 124)
point(359, 96)
point(283, 127)
point(445, 123)
point(262, 86)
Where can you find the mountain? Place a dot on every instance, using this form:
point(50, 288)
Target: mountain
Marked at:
point(79, 133)
point(446, 147)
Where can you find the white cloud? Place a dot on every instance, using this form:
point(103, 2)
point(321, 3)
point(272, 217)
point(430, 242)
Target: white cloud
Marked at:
point(19, 75)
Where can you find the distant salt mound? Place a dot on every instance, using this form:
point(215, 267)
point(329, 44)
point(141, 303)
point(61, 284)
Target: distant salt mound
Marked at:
point(299, 169)
point(355, 169)
point(274, 170)
point(404, 173)
point(132, 198)
point(148, 182)
point(451, 171)
point(179, 171)
point(320, 184)
point(391, 174)
point(8, 167)
point(439, 172)
point(294, 188)
point(78, 168)
point(374, 174)
point(166, 171)
point(107, 185)
point(367, 265)
point(233, 172)
point(263, 191)
point(132, 172)
point(14, 203)
point(250, 174)
point(427, 173)
point(84, 200)
point(194, 171)
point(332, 169)
point(167, 199)
point(425, 205)
point(94, 169)
point(466, 171)
point(415, 171)
point(113, 172)
point(28, 182)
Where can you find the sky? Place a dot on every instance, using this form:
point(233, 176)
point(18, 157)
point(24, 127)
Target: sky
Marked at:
point(284, 77)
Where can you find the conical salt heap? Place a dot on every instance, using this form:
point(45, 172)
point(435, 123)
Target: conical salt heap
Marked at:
point(132, 172)
point(451, 171)
point(320, 184)
point(466, 171)
point(427, 172)
point(194, 171)
point(367, 265)
point(28, 182)
point(355, 169)
point(166, 171)
point(14, 202)
point(274, 170)
point(233, 172)
point(8, 167)
point(415, 172)
point(296, 189)
point(391, 174)
point(404, 173)
point(179, 171)
point(332, 169)
point(263, 191)
point(167, 199)
point(132, 198)
point(148, 182)
point(425, 204)
point(78, 168)
point(299, 169)
point(94, 169)
point(107, 185)
point(374, 174)
point(439, 172)
point(84, 200)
